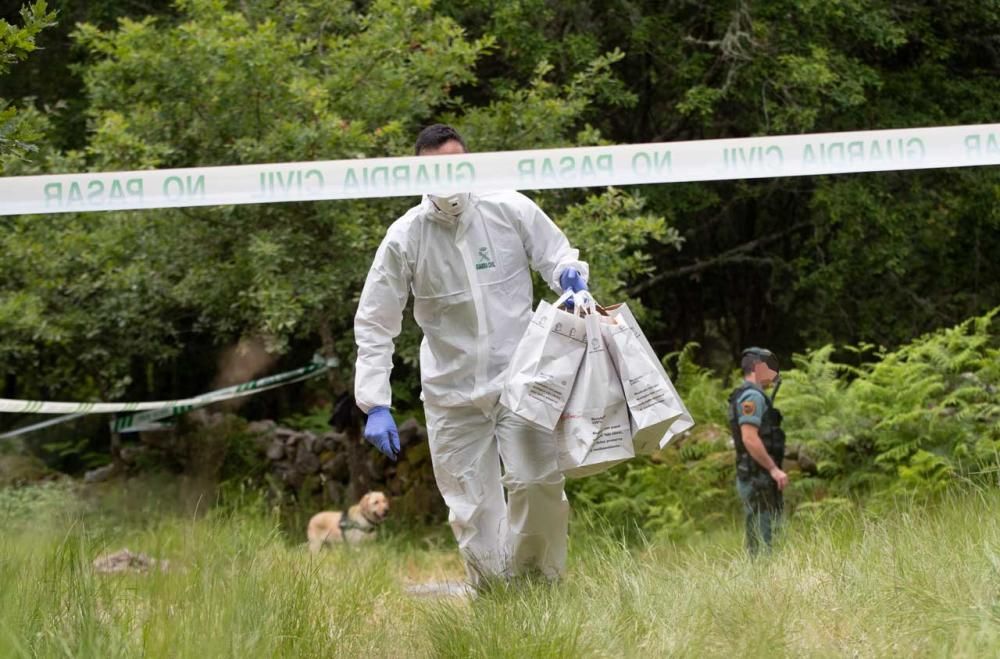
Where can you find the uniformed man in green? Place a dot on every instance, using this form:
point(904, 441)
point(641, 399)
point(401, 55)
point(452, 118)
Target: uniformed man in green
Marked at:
point(760, 447)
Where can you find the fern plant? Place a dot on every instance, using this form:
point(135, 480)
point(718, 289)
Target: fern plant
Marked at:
point(914, 421)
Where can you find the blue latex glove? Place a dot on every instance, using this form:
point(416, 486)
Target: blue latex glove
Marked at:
point(570, 280)
point(381, 432)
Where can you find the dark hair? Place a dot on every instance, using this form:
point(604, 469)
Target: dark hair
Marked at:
point(434, 136)
point(754, 356)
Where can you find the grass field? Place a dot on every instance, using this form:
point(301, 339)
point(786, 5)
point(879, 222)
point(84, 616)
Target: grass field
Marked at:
point(914, 581)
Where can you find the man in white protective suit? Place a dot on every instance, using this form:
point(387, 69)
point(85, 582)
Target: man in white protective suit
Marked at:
point(466, 260)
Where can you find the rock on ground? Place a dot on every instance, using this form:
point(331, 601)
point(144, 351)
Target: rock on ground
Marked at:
point(128, 561)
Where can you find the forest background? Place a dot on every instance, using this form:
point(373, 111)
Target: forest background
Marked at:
point(860, 275)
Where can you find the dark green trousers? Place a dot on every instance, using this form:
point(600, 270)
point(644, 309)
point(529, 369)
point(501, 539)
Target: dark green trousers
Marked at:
point(762, 504)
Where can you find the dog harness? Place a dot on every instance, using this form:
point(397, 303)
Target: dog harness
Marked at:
point(347, 524)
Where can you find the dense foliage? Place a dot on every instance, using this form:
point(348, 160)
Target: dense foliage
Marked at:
point(128, 299)
point(16, 43)
point(911, 422)
point(133, 305)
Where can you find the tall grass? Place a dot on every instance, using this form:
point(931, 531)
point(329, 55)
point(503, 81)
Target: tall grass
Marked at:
point(912, 581)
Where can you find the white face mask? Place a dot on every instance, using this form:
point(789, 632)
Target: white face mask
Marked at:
point(452, 204)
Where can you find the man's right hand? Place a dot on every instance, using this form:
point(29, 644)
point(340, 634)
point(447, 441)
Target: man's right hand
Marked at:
point(381, 432)
point(780, 477)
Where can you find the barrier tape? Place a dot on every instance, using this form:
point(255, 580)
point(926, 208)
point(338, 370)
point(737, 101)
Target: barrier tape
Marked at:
point(665, 162)
point(38, 426)
point(155, 410)
point(139, 421)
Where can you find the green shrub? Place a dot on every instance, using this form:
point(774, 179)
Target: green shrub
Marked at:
point(913, 422)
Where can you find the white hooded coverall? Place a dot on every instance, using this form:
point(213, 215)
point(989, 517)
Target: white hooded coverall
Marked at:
point(472, 292)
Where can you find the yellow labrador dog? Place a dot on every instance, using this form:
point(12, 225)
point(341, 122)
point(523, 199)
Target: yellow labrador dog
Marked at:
point(358, 525)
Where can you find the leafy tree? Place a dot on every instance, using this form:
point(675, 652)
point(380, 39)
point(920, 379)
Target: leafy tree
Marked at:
point(137, 304)
point(139, 301)
point(788, 262)
point(16, 43)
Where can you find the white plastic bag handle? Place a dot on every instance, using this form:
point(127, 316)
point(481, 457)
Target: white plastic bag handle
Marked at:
point(585, 302)
point(582, 302)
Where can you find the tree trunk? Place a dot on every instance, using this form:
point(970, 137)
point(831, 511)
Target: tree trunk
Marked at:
point(116, 453)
